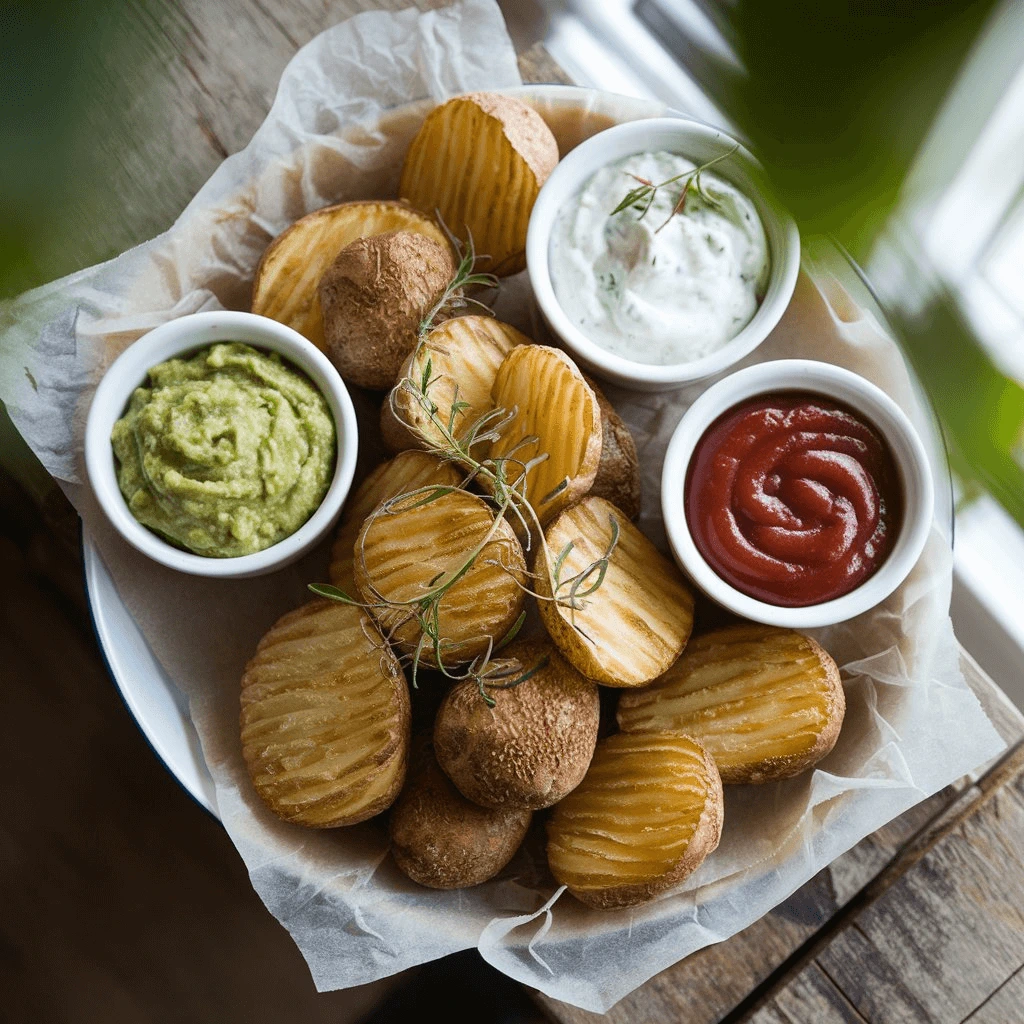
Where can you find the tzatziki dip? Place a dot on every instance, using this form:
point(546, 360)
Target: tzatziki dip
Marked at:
point(659, 282)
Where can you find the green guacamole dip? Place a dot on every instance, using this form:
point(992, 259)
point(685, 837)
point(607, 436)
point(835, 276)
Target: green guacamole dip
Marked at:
point(225, 453)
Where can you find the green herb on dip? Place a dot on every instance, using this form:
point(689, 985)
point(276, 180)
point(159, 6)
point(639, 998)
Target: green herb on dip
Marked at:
point(225, 453)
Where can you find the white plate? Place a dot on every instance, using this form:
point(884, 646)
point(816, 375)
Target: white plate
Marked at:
point(159, 707)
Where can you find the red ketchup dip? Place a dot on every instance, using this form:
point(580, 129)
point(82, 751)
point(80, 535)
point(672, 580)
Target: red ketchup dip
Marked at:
point(792, 498)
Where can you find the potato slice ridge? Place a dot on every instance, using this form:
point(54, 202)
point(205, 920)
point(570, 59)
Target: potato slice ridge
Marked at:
point(479, 160)
point(411, 547)
point(555, 405)
point(406, 472)
point(634, 626)
point(646, 815)
point(285, 286)
point(325, 717)
point(463, 353)
point(767, 703)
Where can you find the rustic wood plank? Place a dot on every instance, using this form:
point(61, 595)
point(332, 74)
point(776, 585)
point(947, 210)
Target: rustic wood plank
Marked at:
point(811, 997)
point(1004, 1005)
point(949, 931)
point(709, 984)
point(122, 900)
point(186, 83)
point(537, 65)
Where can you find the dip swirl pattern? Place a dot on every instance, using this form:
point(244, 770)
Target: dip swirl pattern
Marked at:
point(793, 499)
point(225, 453)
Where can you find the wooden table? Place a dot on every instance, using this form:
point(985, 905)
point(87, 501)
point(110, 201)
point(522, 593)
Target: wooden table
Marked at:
point(922, 921)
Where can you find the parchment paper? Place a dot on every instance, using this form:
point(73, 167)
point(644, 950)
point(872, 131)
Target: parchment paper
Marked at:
point(912, 725)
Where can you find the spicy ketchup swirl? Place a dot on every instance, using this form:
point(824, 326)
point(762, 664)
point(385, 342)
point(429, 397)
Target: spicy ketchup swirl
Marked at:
point(792, 498)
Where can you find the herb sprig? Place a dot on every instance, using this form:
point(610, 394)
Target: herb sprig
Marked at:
point(504, 481)
point(642, 197)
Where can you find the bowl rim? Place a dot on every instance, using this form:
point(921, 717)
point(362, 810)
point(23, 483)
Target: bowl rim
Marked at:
point(617, 142)
point(178, 337)
point(838, 384)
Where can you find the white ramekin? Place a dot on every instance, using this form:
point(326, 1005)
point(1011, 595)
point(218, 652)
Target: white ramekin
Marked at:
point(697, 142)
point(178, 338)
point(863, 397)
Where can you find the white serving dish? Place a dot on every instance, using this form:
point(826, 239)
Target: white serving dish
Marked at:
point(878, 409)
point(157, 704)
point(697, 142)
point(181, 337)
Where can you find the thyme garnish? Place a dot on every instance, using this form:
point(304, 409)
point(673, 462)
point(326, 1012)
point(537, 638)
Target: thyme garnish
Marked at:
point(504, 483)
point(642, 197)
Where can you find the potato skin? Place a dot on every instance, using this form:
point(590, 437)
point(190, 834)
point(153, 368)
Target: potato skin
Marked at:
point(442, 840)
point(374, 296)
point(534, 746)
point(618, 472)
point(284, 287)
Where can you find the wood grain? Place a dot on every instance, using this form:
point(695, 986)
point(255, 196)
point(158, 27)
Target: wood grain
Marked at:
point(950, 930)
point(123, 901)
point(709, 986)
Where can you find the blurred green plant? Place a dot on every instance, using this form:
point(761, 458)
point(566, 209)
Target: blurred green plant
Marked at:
point(838, 99)
point(58, 116)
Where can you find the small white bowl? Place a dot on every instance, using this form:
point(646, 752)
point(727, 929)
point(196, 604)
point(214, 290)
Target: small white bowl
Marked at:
point(697, 142)
point(878, 409)
point(180, 337)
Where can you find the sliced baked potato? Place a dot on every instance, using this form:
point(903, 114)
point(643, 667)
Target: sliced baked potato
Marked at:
point(766, 703)
point(285, 286)
point(633, 626)
point(418, 543)
point(557, 416)
point(646, 815)
point(406, 472)
point(463, 355)
point(325, 717)
point(479, 161)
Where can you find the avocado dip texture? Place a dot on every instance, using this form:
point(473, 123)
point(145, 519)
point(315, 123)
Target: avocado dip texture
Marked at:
point(225, 453)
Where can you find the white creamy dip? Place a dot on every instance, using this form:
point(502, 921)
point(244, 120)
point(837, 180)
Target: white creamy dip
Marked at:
point(659, 288)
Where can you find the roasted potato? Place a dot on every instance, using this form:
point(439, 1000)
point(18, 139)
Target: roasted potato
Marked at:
point(530, 749)
point(464, 355)
point(285, 286)
point(408, 547)
point(558, 407)
point(444, 841)
point(325, 717)
point(374, 296)
point(479, 160)
point(407, 471)
point(766, 703)
point(636, 623)
point(647, 814)
point(618, 472)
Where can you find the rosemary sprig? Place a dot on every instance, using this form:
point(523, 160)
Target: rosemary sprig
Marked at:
point(454, 296)
point(504, 480)
point(642, 197)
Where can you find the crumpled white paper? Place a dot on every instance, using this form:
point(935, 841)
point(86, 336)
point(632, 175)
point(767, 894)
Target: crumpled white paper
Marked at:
point(337, 131)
